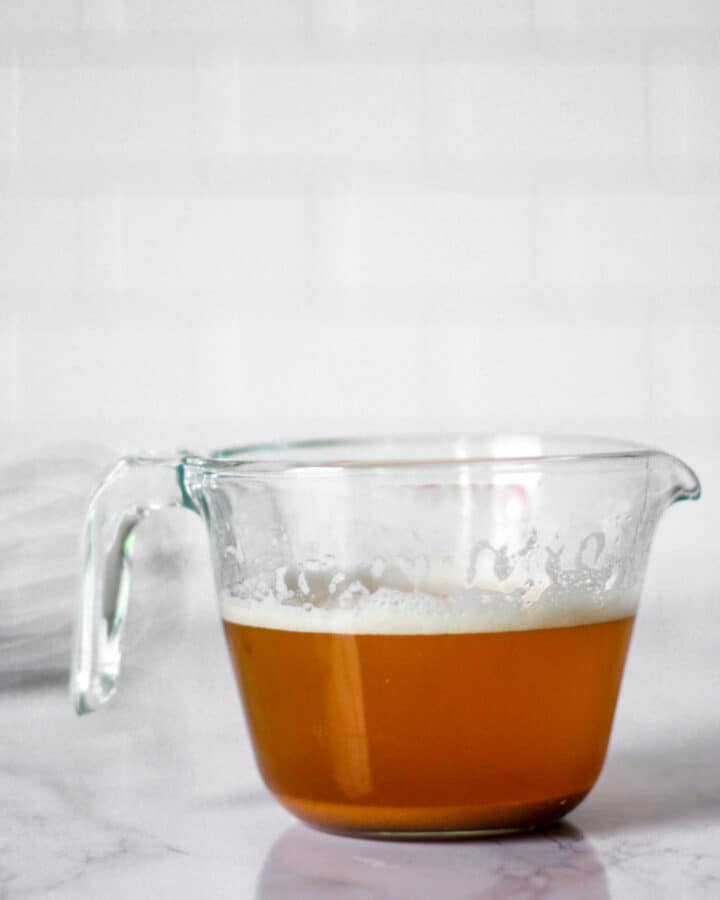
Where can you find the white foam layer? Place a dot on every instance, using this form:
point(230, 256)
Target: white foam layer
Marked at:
point(390, 611)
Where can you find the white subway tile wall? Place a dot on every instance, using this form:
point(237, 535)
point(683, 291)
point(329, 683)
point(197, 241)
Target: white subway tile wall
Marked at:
point(309, 109)
point(540, 109)
point(685, 109)
point(226, 220)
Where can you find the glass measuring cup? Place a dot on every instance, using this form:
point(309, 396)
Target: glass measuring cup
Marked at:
point(428, 634)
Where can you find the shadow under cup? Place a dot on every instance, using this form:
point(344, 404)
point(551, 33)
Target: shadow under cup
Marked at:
point(428, 635)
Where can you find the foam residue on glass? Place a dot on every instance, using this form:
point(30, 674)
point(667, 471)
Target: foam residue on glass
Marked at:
point(406, 598)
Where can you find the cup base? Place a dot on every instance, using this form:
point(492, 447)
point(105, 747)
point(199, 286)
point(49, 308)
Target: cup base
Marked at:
point(431, 822)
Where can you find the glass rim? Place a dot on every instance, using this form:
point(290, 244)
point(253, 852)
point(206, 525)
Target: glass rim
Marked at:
point(335, 454)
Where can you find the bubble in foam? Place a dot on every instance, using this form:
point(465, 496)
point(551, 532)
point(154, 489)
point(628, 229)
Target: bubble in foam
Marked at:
point(335, 581)
point(303, 584)
point(353, 594)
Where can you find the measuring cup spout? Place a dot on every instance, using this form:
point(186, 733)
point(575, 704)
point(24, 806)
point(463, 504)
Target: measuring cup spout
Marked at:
point(683, 483)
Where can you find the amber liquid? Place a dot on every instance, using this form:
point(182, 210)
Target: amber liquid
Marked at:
point(430, 733)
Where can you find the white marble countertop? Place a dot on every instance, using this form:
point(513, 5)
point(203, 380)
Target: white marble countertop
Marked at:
point(157, 796)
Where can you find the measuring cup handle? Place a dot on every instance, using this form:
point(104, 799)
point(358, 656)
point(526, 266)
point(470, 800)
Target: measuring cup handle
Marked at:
point(135, 487)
